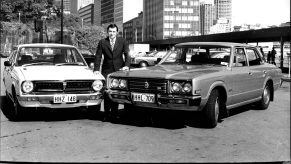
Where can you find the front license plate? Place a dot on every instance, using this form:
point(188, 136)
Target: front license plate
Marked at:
point(143, 97)
point(65, 98)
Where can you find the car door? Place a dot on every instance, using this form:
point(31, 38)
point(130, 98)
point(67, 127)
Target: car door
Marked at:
point(257, 72)
point(240, 80)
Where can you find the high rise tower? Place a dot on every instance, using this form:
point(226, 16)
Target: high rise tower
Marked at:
point(170, 18)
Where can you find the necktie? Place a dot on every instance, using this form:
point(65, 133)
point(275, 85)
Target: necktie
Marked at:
point(112, 44)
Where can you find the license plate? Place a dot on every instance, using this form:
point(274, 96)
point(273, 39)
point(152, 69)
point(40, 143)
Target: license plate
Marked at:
point(65, 98)
point(143, 97)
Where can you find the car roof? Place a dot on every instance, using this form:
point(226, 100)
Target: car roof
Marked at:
point(223, 44)
point(45, 45)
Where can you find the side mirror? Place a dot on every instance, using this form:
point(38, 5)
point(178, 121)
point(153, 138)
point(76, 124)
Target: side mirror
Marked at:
point(7, 63)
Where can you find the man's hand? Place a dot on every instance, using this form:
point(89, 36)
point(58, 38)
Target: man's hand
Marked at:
point(125, 68)
point(97, 72)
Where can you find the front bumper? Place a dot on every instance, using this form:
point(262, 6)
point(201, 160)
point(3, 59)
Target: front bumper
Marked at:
point(46, 101)
point(174, 102)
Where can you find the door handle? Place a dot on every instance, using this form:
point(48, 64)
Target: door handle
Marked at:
point(250, 73)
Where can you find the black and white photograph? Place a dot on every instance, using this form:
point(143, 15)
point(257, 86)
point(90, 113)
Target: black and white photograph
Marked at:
point(145, 81)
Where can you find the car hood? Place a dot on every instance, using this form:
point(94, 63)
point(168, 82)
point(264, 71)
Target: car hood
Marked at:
point(170, 71)
point(57, 73)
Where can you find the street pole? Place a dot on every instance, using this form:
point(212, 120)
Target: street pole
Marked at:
point(62, 12)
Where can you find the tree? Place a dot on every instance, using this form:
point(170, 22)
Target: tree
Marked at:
point(28, 10)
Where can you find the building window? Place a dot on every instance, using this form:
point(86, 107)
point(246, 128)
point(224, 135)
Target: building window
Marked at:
point(184, 3)
point(172, 3)
point(196, 18)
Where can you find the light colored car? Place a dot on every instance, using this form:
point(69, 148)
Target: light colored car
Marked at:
point(148, 59)
point(51, 76)
point(211, 77)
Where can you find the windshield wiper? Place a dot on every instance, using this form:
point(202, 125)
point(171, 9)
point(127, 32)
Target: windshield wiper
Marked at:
point(39, 63)
point(60, 64)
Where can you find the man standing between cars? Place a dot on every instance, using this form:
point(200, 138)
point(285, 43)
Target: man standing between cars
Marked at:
point(113, 50)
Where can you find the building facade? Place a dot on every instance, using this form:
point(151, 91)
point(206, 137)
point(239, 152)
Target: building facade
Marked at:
point(132, 29)
point(223, 9)
point(170, 18)
point(206, 17)
point(87, 14)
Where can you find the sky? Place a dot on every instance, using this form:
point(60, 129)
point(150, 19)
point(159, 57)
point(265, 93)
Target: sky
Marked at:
point(264, 12)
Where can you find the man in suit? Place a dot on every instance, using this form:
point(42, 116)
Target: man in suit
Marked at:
point(114, 50)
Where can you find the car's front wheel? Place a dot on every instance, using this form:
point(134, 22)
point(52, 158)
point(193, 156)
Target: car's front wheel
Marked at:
point(212, 108)
point(143, 64)
point(266, 98)
point(12, 109)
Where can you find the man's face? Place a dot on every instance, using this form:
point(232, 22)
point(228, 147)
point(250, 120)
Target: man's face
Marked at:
point(112, 32)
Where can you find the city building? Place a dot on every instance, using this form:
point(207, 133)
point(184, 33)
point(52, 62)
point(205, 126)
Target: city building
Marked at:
point(206, 17)
point(223, 9)
point(68, 5)
point(112, 12)
point(132, 29)
point(97, 12)
point(170, 18)
point(222, 26)
point(87, 14)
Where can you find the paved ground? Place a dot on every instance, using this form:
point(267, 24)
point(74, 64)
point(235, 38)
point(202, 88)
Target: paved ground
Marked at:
point(248, 135)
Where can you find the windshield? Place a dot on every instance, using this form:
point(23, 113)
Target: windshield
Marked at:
point(48, 56)
point(198, 55)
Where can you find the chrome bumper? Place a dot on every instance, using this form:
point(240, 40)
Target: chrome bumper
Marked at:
point(174, 102)
point(46, 101)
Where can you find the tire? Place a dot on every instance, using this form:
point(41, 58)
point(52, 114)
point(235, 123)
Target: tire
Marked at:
point(143, 64)
point(212, 108)
point(12, 109)
point(94, 111)
point(266, 97)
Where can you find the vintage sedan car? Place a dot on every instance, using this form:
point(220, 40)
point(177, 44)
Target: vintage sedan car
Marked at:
point(50, 76)
point(210, 77)
point(148, 59)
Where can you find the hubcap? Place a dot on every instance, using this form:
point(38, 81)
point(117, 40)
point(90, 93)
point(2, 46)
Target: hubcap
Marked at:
point(216, 109)
point(266, 95)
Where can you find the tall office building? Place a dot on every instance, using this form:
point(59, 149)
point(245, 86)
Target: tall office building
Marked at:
point(112, 12)
point(223, 9)
point(97, 12)
point(170, 18)
point(206, 17)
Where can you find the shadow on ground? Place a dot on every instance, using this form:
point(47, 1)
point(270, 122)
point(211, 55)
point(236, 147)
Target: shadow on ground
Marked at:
point(141, 117)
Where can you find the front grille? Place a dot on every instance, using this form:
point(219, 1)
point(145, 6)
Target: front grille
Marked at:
point(148, 85)
point(63, 86)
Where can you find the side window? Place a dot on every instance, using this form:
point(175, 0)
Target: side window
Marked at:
point(240, 57)
point(253, 57)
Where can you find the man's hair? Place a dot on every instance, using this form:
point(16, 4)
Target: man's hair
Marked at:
point(112, 26)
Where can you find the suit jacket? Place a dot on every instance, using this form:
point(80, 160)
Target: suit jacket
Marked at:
point(113, 59)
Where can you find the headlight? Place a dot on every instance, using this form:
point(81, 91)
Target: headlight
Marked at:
point(114, 83)
point(181, 87)
point(122, 84)
point(118, 83)
point(176, 87)
point(27, 86)
point(97, 85)
point(187, 87)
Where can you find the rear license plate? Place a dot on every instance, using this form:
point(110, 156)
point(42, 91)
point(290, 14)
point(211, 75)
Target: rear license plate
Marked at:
point(65, 98)
point(143, 97)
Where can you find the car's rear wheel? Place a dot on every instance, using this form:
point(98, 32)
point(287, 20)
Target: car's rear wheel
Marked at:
point(212, 108)
point(94, 111)
point(143, 64)
point(266, 97)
